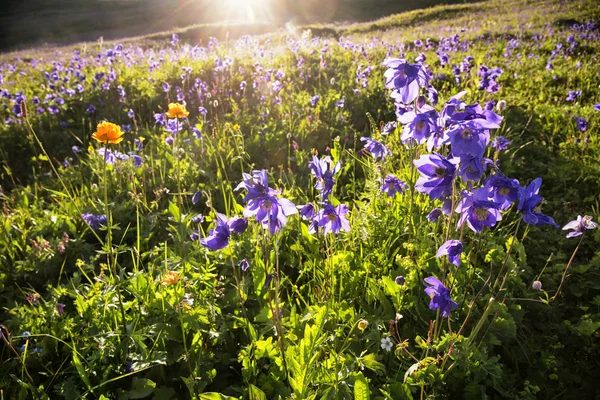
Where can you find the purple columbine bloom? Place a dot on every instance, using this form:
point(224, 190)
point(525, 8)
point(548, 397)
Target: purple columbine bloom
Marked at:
point(244, 265)
point(418, 126)
point(581, 123)
point(389, 127)
point(198, 219)
point(307, 211)
point(484, 118)
point(137, 160)
point(473, 168)
point(91, 109)
point(238, 225)
point(203, 111)
point(405, 79)
point(452, 249)
point(196, 197)
point(503, 190)
point(392, 185)
point(400, 280)
point(194, 236)
point(573, 95)
point(94, 221)
point(597, 107)
point(76, 149)
point(529, 204)
point(60, 308)
point(218, 238)
point(314, 100)
point(437, 174)
point(440, 296)
point(434, 215)
point(580, 225)
point(333, 219)
point(478, 210)
point(377, 149)
point(468, 139)
point(500, 143)
point(324, 172)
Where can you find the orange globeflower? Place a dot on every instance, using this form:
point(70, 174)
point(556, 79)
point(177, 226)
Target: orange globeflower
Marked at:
point(177, 110)
point(107, 132)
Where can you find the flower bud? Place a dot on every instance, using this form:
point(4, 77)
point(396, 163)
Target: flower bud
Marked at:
point(536, 285)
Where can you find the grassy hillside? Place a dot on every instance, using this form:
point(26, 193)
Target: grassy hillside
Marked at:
point(300, 230)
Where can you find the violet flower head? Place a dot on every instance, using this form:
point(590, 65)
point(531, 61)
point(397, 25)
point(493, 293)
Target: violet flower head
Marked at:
point(468, 139)
point(307, 211)
point(378, 150)
point(500, 143)
point(530, 204)
point(392, 186)
point(573, 95)
point(503, 190)
point(453, 249)
point(597, 107)
point(244, 265)
point(477, 210)
point(333, 219)
point(218, 238)
point(405, 79)
point(437, 174)
point(418, 126)
point(581, 123)
point(440, 296)
point(94, 221)
point(434, 215)
point(196, 197)
point(324, 171)
point(579, 226)
point(473, 168)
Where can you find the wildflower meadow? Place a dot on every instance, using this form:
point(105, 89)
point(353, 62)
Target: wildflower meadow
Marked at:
point(399, 209)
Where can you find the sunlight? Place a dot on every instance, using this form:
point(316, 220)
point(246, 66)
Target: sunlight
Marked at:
point(246, 10)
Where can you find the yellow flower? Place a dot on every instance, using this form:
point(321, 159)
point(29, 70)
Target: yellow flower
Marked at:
point(362, 324)
point(107, 132)
point(177, 110)
point(171, 278)
point(236, 127)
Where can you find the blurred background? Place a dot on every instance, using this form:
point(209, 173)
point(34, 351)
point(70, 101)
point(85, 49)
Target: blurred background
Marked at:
point(28, 23)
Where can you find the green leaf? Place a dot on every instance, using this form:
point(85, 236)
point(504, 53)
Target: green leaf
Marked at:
point(141, 388)
point(80, 369)
point(361, 388)
point(370, 361)
point(256, 393)
point(215, 396)
point(174, 211)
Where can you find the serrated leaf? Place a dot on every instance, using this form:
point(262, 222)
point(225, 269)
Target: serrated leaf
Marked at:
point(361, 388)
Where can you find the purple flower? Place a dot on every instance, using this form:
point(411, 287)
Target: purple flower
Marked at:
point(400, 280)
point(478, 210)
point(579, 226)
point(307, 211)
point(472, 168)
point(573, 95)
point(452, 249)
point(76, 149)
point(314, 100)
point(333, 219)
point(434, 215)
point(377, 149)
point(437, 174)
point(392, 185)
point(198, 219)
point(130, 113)
point(418, 126)
point(94, 221)
point(169, 140)
point(500, 143)
point(91, 109)
point(581, 123)
point(323, 171)
point(202, 110)
point(196, 197)
point(388, 128)
point(238, 225)
point(597, 107)
point(468, 139)
point(405, 79)
point(244, 265)
point(218, 238)
point(137, 160)
point(440, 296)
point(160, 119)
point(503, 190)
point(60, 309)
point(529, 204)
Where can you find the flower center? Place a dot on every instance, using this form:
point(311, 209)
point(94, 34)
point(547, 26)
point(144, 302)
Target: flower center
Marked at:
point(331, 217)
point(420, 125)
point(481, 213)
point(441, 172)
point(267, 205)
point(466, 134)
point(503, 191)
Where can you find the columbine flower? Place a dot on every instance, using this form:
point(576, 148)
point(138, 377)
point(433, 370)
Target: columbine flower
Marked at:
point(177, 110)
point(60, 309)
point(502, 190)
point(196, 197)
point(437, 174)
point(400, 280)
point(307, 211)
point(472, 168)
point(405, 79)
point(244, 265)
point(478, 210)
point(418, 126)
point(468, 139)
point(452, 249)
point(500, 143)
point(434, 215)
point(440, 296)
point(579, 226)
point(530, 204)
point(218, 238)
point(333, 219)
point(107, 132)
point(387, 344)
point(581, 123)
point(262, 201)
point(392, 185)
point(573, 95)
point(377, 149)
point(324, 172)
point(94, 221)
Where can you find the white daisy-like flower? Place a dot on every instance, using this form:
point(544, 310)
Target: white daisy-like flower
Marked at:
point(387, 344)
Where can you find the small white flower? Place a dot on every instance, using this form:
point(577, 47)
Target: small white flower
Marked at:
point(399, 316)
point(387, 344)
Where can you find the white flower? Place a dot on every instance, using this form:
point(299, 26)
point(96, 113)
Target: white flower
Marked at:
point(387, 344)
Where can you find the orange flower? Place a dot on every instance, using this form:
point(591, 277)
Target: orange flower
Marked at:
point(107, 132)
point(177, 110)
point(171, 278)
